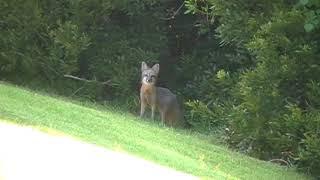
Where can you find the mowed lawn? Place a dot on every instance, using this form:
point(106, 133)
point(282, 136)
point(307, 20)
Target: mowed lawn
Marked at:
point(110, 128)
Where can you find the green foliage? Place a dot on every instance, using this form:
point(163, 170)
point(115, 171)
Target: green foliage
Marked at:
point(309, 154)
point(209, 88)
point(91, 39)
point(202, 117)
point(21, 35)
point(68, 43)
point(313, 94)
point(311, 10)
point(275, 99)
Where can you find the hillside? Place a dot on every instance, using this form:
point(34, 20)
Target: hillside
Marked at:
point(110, 128)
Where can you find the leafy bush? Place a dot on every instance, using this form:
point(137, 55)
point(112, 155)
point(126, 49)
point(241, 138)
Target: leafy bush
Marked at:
point(211, 112)
point(91, 39)
point(277, 96)
point(68, 43)
point(308, 152)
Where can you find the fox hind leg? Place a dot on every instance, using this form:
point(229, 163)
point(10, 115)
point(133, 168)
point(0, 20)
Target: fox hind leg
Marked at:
point(163, 117)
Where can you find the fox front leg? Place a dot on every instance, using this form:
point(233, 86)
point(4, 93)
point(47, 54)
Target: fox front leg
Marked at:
point(142, 109)
point(153, 109)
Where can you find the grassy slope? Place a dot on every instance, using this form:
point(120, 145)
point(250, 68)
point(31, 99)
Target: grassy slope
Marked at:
point(182, 150)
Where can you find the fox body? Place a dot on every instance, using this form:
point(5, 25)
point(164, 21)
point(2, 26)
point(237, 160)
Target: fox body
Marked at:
point(157, 97)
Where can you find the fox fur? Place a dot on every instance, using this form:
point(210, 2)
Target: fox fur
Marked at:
point(158, 97)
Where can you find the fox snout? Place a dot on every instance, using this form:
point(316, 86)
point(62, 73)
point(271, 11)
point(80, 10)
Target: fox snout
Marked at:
point(148, 79)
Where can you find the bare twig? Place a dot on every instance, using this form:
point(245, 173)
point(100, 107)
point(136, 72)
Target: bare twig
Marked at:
point(280, 160)
point(76, 91)
point(87, 80)
point(174, 14)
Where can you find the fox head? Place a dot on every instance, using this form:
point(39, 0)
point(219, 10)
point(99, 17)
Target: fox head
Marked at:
point(149, 75)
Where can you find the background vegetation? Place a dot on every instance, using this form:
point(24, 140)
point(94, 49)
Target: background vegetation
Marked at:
point(248, 70)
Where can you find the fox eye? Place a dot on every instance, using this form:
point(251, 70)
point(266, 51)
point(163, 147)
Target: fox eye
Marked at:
point(153, 76)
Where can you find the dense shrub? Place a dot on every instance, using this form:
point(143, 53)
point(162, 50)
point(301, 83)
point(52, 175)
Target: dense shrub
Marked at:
point(41, 42)
point(308, 152)
point(210, 111)
point(276, 97)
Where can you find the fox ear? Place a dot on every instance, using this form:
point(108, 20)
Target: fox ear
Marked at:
point(144, 66)
point(156, 68)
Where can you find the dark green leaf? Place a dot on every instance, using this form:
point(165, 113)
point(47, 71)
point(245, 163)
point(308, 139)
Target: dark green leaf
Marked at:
point(308, 27)
point(304, 2)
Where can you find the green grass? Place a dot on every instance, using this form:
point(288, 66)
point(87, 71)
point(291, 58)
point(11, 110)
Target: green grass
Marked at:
point(108, 127)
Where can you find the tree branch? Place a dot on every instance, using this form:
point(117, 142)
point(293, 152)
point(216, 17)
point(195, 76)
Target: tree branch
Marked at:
point(86, 80)
point(76, 91)
point(174, 14)
point(280, 160)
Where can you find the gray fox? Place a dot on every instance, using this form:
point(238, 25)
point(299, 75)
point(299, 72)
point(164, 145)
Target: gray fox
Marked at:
point(157, 97)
